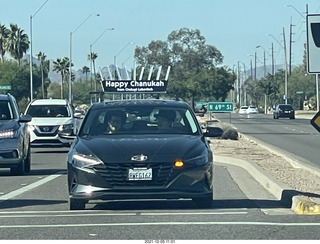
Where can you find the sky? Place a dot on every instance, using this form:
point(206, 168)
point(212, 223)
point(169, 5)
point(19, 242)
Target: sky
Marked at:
point(234, 27)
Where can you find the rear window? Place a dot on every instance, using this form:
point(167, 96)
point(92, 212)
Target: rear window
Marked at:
point(285, 107)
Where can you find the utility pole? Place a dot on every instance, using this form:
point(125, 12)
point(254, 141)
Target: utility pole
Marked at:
point(272, 60)
point(286, 71)
point(290, 47)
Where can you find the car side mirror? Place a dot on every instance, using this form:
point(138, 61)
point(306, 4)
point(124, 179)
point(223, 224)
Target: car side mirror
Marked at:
point(25, 118)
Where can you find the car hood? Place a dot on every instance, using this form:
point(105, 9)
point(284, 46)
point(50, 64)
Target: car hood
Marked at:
point(51, 121)
point(9, 124)
point(157, 149)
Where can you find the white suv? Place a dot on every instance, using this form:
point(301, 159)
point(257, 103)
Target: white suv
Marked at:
point(50, 117)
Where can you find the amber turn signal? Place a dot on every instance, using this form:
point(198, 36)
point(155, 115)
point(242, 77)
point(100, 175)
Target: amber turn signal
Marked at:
point(178, 164)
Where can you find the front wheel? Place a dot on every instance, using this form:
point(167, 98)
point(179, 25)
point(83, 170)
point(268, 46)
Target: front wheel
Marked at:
point(76, 204)
point(203, 202)
point(27, 162)
point(19, 169)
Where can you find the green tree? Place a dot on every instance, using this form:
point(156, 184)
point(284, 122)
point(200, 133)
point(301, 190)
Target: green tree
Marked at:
point(54, 90)
point(3, 38)
point(301, 87)
point(85, 70)
point(81, 93)
point(18, 77)
point(62, 67)
point(44, 69)
point(17, 42)
point(92, 57)
point(188, 54)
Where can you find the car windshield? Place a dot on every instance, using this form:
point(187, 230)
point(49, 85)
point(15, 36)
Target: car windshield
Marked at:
point(6, 112)
point(139, 120)
point(49, 111)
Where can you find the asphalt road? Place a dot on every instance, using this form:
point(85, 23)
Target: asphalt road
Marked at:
point(296, 137)
point(35, 206)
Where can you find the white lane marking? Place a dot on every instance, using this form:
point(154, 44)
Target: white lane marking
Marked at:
point(158, 224)
point(31, 186)
point(115, 214)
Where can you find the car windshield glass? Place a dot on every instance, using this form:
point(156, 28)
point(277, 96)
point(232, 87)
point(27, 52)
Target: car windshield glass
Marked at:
point(139, 120)
point(49, 111)
point(6, 112)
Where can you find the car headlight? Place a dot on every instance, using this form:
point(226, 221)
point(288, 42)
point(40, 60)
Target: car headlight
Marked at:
point(84, 161)
point(31, 128)
point(200, 160)
point(66, 127)
point(8, 134)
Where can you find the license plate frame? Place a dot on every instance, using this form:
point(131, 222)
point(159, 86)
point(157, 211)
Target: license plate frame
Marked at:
point(140, 174)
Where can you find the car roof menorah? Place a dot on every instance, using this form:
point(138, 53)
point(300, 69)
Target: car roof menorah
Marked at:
point(122, 86)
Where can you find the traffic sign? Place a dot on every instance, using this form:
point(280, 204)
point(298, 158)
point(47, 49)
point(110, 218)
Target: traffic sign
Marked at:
point(220, 107)
point(313, 43)
point(315, 121)
point(5, 87)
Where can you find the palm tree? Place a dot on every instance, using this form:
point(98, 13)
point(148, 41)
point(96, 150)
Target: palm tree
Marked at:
point(85, 70)
point(92, 57)
point(62, 66)
point(3, 37)
point(17, 42)
point(44, 66)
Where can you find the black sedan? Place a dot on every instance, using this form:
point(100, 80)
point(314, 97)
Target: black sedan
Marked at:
point(140, 149)
point(284, 111)
point(14, 137)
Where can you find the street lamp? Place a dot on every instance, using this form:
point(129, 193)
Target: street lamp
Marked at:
point(31, 75)
point(303, 17)
point(91, 61)
point(70, 64)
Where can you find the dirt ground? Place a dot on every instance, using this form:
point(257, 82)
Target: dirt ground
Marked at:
point(273, 164)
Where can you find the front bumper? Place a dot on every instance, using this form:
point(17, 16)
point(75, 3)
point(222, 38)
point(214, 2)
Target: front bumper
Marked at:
point(189, 183)
point(43, 140)
point(10, 153)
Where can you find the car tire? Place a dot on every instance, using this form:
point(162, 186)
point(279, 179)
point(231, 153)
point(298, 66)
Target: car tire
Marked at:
point(76, 204)
point(203, 202)
point(18, 170)
point(27, 162)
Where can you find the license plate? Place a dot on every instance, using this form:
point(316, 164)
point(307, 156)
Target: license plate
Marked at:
point(140, 174)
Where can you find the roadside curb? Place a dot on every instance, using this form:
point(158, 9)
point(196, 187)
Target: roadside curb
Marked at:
point(300, 204)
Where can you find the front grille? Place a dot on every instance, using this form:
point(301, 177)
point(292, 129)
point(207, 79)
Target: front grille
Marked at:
point(116, 174)
point(53, 141)
point(46, 130)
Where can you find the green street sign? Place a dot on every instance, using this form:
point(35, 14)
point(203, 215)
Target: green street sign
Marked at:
point(5, 87)
point(220, 107)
